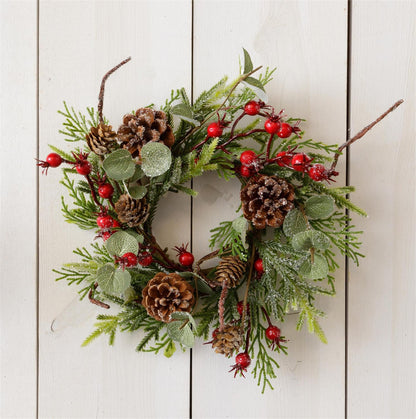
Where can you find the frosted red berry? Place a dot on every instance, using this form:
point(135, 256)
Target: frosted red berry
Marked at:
point(273, 333)
point(271, 126)
point(245, 171)
point(116, 224)
point(285, 130)
point(240, 308)
point(186, 259)
point(252, 108)
point(248, 157)
point(214, 130)
point(105, 221)
point(243, 360)
point(83, 167)
point(258, 266)
point(106, 235)
point(317, 172)
point(54, 160)
point(130, 259)
point(145, 259)
point(300, 161)
point(106, 191)
point(284, 159)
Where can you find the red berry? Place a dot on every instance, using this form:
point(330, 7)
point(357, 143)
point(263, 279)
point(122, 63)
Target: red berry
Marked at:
point(243, 360)
point(83, 167)
point(106, 191)
point(105, 221)
point(245, 171)
point(300, 161)
point(116, 224)
point(248, 157)
point(284, 159)
point(130, 259)
point(258, 266)
point(214, 333)
point(145, 259)
point(271, 126)
point(54, 160)
point(285, 130)
point(317, 172)
point(214, 130)
point(186, 259)
point(240, 308)
point(273, 333)
point(106, 235)
point(252, 108)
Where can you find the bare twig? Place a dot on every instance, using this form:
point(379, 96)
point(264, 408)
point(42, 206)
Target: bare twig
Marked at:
point(95, 301)
point(102, 88)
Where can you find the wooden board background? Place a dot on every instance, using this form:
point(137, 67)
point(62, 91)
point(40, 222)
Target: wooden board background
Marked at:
point(339, 65)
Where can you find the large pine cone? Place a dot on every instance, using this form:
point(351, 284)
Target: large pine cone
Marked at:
point(166, 293)
point(144, 126)
point(230, 270)
point(132, 212)
point(228, 340)
point(266, 200)
point(102, 139)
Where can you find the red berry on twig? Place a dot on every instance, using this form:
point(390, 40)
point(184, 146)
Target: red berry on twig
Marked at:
point(258, 266)
point(54, 160)
point(214, 130)
point(242, 362)
point(284, 159)
point(240, 308)
point(83, 167)
point(245, 171)
point(318, 172)
point(271, 126)
point(105, 221)
point(106, 191)
point(252, 108)
point(273, 333)
point(248, 157)
point(145, 259)
point(185, 258)
point(300, 162)
point(130, 259)
point(285, 130)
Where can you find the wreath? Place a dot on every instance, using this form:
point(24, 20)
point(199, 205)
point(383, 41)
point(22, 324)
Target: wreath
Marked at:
point(277, 255)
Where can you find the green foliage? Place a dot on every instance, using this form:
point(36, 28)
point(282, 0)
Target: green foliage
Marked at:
point(156, 159)
point(119, 165)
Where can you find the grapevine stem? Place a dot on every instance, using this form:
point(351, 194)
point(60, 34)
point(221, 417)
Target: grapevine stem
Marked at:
point(102, 88)
point(253, 253)
point(95, 301)
point(221, 308)
point(362, 133)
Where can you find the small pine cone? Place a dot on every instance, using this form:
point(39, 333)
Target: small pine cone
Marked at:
point(132, 212)
point(102, 139)
point(166, 293)
point(144, 126)
point(230, 270)
point(228, 340)
point(266, 200)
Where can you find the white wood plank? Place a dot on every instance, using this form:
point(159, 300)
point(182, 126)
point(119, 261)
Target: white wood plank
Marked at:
point(79, 41)
point(382, 316)
point(18, 33)
point(307, 42)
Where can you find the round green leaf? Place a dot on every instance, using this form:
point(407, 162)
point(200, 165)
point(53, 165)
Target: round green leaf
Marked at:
point(119, 165)
point(156, 159)
point(310, 238)
point(294, 223)
point(184, 315)
point(319, 207)
point(316, 270)
point(120, 243)
point(112, 280)
point(137, 191)
point(180, 333)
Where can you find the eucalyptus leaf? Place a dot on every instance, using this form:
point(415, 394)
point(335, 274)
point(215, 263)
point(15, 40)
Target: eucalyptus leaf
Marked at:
point(137, 191)
point(156, 159)
point(137, 175)
point(180, 333)
point(120, 243)
point(136, 235)
point(310, 238)
point(316, 270)
point(170, 349)
point(294, 223)
point(130, 295)
point(183, 315)
point(112, 280)
point(319, 207)
point(256, 86)
point(184, 112)
point(248, 64)
point(119, 165)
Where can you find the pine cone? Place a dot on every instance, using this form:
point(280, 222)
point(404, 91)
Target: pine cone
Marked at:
point(144, 126)
point(132, 212)
point(228, 340)
point(102, 139)
point(166, 293)
point(266, 200)
point(230, 270)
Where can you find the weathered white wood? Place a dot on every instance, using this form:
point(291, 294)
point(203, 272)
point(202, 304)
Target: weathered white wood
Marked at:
point(382, 316)
point(79, 42)
point(307, 41)
point(18, 209)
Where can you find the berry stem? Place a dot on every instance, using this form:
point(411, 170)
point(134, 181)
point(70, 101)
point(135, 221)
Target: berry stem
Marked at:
point(200, 144)
point(269, 146)
point(267, 316)
point(362, 133)
point(93, 194)
point(237, 120)
point(102, 88)
point(240, 135)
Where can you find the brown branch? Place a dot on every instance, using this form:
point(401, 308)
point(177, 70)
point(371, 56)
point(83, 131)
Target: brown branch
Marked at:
point(102, 88)
point(253, 254)
point(362, 133)
point(95, 301)
point(221, 301)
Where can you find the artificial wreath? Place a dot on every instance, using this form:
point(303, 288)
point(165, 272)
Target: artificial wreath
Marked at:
point(277, 255)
